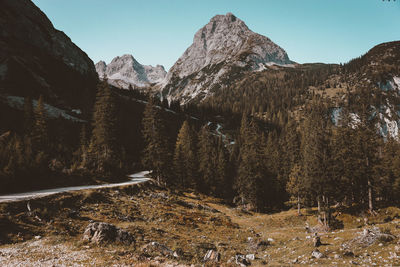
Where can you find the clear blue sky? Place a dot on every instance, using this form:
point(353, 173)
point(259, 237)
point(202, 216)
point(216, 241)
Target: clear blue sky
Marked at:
point(159, 31)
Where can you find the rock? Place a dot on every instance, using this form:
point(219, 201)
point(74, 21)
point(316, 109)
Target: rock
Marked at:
point(388, 219)
point(241, 260)
point(354, 263)
point(256, 244)
point(262, 245)
point(55, 165)
point(38, 237)
point(270, 239)
point(250, 257)
point(368, 237)
point(337, 256)
point(178, 253)
point(317, 254)
point(366, 232)
point(317, 241)
point(212, 256)
point(208, 208)
point(100, 232)
point(348, 253)
point(157, 248)
point(161, 195)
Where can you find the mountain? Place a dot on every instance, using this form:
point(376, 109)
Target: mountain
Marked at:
point(281, 93)
point(125, 71)
point(36, 59)
point(220, 51)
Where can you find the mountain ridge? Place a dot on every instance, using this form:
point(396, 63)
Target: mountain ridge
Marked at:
point(125, 71)
point(221, 48)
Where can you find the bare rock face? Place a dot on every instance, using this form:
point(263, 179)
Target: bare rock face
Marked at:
point(36, 59)
point(125, 71)
point(221, 49)
point(100, 232)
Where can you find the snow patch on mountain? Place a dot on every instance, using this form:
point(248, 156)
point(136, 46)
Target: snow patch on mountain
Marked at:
point(126, 71)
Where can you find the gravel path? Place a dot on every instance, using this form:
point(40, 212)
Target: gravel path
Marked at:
point(136, 178)
point(42, 253)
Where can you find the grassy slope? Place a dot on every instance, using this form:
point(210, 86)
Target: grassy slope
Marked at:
point(154, 214)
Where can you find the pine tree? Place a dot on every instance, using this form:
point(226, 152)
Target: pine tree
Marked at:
point(40, 128)
point(29, 117)
point(207, 155)
point(389, 188)
point(103, 149)
point(292, 146)
point(252, 175)
point(342, 160)
point(223, 180)
point(315, 157)
point(294, 186)
point(366, 144)
point(156, 154)
point(185, 161)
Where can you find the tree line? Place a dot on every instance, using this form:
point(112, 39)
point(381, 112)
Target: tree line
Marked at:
point(310, 161)
point(300, 158)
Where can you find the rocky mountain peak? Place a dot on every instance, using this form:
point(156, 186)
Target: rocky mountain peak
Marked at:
point(223, 43)
point(125, 71)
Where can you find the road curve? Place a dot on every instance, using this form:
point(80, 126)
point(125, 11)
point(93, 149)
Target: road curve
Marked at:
point(136, 178)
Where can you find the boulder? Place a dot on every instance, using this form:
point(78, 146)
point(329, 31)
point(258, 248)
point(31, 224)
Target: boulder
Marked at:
point(317, 254)
point(250, 257)
point(241, 260)
point(212, 256)
point(262, 245)
point(157, 248)
point(257, 245)
point(348, 253)
point(337, 256)
point(100, 232)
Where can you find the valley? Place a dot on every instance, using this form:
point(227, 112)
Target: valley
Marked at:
point(187, 225)
point(240, 154)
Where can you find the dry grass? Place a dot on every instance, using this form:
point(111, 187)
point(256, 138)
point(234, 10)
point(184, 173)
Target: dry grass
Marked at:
point(154, 214)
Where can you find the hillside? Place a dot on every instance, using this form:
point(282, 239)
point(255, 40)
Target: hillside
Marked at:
point(37, 59)
point(180, 227)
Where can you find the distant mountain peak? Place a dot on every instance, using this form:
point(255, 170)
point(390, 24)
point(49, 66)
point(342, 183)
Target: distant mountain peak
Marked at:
point(224, 43)
point(125, 71)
